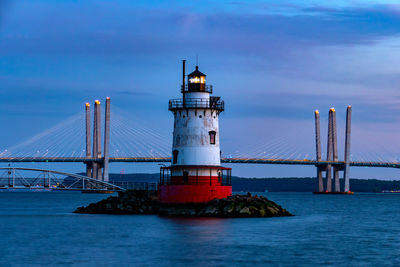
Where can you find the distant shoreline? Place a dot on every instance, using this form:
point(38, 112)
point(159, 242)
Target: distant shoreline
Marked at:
point(288, 184)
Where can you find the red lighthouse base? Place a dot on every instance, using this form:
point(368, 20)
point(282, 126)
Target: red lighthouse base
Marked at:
point(194, 184)
point(193, 193)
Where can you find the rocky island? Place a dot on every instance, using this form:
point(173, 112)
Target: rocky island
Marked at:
point(146, 202)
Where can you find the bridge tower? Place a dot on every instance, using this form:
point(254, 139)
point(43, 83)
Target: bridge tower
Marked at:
point(98, 169)
point(88, 141)
point(332, 155)
point(195, 174)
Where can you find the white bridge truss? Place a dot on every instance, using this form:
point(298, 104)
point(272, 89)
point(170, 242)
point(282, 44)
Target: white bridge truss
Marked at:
point(31, 178)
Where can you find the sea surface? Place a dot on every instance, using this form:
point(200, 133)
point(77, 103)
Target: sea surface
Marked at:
point(39, 229)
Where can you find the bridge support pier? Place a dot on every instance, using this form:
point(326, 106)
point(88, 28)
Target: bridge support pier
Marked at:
point(329, 154)
point(347, 151)
point(97, 141)
point(106, 141)
point(320, 180)
point(94, 164)
point(88, 141)
point(335, 151)
point(318, 151)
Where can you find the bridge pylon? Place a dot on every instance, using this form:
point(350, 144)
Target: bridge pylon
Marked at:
point(106, 141)
point(98, 168)
point(329, 154)
point(335, 151)
point(88, 141)
point(347, 151)
point(332, 157)
point(318, 150)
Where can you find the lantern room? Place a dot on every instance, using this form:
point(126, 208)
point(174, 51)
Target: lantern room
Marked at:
point(197, 81)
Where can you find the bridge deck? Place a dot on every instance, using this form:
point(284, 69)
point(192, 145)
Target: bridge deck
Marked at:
point(224, 160)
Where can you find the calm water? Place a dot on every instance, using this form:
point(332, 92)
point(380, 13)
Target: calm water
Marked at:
point(40, 229)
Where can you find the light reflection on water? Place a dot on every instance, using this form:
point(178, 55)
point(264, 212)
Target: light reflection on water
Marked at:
point(40, 228)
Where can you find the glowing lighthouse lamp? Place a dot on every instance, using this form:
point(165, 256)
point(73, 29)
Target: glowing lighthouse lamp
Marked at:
point(195, 174)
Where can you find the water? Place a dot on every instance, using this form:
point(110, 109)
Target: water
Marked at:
point(40, 229)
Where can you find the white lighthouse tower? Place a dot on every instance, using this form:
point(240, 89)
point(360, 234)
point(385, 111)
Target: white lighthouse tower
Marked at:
point(195, 174)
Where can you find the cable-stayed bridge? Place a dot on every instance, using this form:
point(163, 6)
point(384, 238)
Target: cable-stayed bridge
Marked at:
point(121, 140)
point(223, 160)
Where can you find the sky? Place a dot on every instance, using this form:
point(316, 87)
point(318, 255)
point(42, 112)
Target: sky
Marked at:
point(273, 62)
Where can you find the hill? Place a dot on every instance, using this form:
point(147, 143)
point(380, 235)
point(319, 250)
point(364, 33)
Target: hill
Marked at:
point(307, 185)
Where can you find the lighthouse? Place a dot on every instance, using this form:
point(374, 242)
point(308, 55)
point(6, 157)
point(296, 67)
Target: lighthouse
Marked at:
point(195, 174)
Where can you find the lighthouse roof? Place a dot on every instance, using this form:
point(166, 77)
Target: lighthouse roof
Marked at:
point(196, 73)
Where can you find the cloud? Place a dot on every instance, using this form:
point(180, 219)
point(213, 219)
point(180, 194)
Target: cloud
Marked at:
point(132, 93)
point(300, 106)
point(169, 30)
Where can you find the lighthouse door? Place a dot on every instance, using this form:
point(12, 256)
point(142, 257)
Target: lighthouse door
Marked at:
point(185, 177)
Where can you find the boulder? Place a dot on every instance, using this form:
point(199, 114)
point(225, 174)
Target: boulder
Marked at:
point(245, 211)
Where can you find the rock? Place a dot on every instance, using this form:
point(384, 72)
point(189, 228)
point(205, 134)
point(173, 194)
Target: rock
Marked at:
point(239, 207)
point(245, 211)
point(210, 210)
point(262, 212)
point(146, 202)
point(229, 208)
point(272, 210)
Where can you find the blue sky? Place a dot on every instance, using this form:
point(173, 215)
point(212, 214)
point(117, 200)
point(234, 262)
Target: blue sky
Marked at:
point(274, 63)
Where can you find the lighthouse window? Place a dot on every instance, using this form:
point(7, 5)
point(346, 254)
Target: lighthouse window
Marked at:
point(175, 156)
point(212, 137)
point(194, 80)
point(201, 79)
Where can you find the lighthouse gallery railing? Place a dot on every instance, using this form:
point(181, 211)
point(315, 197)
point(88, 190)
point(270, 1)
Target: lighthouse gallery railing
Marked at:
point(225, 177)
point(213, 103)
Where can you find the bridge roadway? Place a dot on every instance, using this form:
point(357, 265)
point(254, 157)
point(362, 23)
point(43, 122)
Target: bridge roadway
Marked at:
point(223, 160)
